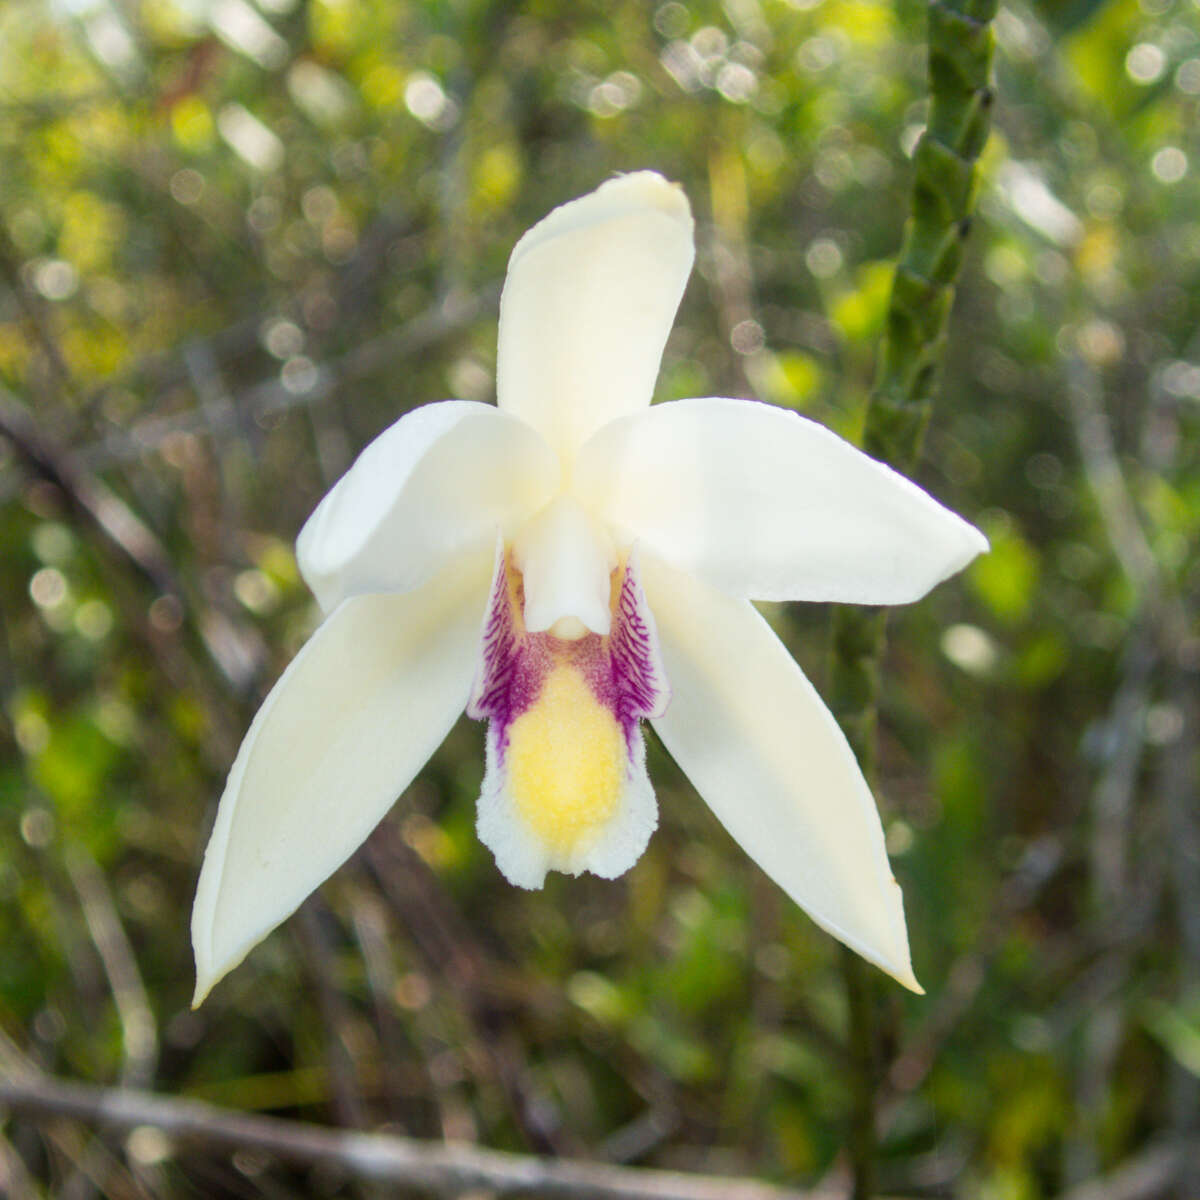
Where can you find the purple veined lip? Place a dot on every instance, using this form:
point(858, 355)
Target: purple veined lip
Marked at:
point(623, 670)
point(571, 793)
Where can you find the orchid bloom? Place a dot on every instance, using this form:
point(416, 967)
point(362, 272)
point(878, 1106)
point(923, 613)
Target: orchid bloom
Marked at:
point(565, 565)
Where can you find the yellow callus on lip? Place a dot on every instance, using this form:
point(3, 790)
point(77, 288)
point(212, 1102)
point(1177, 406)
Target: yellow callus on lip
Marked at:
point(566, 761)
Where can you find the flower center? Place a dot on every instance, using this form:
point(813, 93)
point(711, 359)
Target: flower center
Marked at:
point(566, 562)
point(569, 629)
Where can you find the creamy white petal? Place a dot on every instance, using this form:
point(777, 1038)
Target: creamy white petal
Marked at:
point(566, 562)
point(761, 502)
point(588, 303)
point(350, 722)
point(439, 482)
point(761, 748)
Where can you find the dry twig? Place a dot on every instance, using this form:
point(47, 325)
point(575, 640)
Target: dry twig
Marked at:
point(444, 1169)
point(139, 1034)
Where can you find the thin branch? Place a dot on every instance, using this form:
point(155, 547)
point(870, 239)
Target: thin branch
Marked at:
point(269, 397)
point(15, 1181)
point(1039, 865)
point(452, 954)
point(318, 959)
point(1110, 863)
point(83, 1154)
point(121, 530)
point(445, 1169)
point(1145, 1177)
point(732, 274)
point(119, 524)
point(139, 1034)
point(1119, 514)
point(37, 316)
point(1177, 795)
point(371, 932)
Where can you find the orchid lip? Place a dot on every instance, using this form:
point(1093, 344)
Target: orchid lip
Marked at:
point(566, 786)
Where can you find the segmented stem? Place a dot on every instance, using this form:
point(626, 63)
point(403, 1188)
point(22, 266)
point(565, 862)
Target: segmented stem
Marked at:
point(943, 195)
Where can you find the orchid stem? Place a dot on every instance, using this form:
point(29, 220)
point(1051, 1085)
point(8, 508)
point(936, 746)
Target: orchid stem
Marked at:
point(943, 197)
point(864, 1060)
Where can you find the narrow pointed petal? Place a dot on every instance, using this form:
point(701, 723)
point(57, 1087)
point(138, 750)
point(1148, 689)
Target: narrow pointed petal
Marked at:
point(587, 306)
point(762, 503)
point(350, 722)
point(753, 736)
point(439, 482)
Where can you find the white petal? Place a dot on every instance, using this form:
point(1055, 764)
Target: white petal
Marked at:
point(439, 482)
point(350, 722)
point(764, 752)
point(565, 562)
point(587, 306)
point(761, 502)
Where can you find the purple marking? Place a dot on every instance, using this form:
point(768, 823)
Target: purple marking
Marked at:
point(499, 653)
point(638, 674)
point(623, 670)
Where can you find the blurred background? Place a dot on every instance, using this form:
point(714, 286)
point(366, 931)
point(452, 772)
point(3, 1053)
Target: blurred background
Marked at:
point(239, 237)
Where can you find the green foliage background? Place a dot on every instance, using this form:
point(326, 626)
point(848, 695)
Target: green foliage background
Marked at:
point(238, 240)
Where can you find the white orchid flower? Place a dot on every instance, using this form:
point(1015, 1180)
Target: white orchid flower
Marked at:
point(632, 542)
